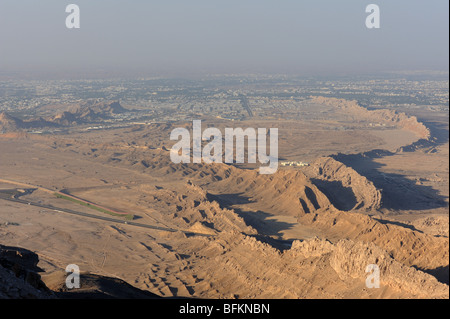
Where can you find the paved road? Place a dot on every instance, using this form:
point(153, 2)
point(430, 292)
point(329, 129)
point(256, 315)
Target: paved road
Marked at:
point(26, 185)
point(245, 105)
point(7, 197)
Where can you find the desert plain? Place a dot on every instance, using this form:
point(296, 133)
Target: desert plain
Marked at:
point(373, 191)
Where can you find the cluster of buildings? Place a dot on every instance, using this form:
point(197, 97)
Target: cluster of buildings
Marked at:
point(233, 97)
point(294, 163)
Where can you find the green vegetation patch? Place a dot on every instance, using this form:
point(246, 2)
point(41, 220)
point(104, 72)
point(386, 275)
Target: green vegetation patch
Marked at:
point(100, 209)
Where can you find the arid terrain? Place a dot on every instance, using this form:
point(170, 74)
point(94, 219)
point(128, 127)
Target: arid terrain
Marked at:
point(375, 190)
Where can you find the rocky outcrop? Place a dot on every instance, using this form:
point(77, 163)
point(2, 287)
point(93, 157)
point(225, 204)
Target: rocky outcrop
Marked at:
point(346, 188)
point(407, 246)
point(89, 112)
point(19, 276)
point(9, 123)
point(349, 259)
point(387, 117)
point(85, 113)
point(286, 192)
point(20, 279)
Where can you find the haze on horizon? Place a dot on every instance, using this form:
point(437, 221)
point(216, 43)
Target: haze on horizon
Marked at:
point(233, 36)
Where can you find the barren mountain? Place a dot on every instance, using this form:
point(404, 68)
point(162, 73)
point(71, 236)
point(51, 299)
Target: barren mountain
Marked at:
point(224, 231)
point(85, 113)
point(387, 117)
point(9, 123)
point(89, 112)
point(347, 189)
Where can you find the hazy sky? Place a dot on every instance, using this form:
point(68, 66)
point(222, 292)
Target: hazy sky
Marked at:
point(224, 36)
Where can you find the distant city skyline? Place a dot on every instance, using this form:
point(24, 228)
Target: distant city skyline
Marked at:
point(206, 36)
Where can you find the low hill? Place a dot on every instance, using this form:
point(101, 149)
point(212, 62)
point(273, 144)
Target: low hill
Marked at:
point(10, 123)
point(85, 113)
point(89, 112)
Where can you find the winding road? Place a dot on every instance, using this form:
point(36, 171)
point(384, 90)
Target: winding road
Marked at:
point(11, 197)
